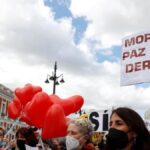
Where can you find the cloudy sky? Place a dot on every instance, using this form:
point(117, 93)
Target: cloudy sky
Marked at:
point(84, 37)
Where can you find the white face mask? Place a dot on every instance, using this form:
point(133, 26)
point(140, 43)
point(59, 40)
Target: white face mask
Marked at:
point(72, 143)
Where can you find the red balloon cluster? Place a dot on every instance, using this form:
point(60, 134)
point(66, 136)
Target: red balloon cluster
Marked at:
point(44, 111)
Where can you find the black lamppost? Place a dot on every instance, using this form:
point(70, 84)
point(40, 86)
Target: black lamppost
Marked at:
point(54, 78)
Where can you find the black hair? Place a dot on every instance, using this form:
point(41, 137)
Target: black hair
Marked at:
point(135, 122)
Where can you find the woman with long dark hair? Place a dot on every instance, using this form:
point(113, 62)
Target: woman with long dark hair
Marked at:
point(127, 131)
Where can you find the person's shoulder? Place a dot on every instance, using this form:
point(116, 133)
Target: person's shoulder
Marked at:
point(148, 138)
point(147, 142)
point(89, 146)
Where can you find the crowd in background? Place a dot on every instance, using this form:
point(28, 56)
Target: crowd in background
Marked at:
point(127, 131)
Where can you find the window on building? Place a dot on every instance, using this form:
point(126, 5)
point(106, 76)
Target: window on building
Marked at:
point(3, 108)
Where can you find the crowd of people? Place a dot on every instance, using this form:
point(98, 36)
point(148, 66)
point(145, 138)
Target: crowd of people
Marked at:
point(127, 131)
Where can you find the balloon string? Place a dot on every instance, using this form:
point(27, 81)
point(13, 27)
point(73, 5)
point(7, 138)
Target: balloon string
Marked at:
point(40, 139)
point(14, 124)
point(12, 127)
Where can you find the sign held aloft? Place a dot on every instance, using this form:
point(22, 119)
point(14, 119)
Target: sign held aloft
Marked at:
point(135, 59)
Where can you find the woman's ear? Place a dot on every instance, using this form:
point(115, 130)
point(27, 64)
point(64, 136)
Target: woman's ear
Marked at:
point(134, 134)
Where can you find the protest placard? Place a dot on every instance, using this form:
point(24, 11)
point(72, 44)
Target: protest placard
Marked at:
point(135, 59)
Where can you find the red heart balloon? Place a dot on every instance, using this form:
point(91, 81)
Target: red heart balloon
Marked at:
point(36, 89)
point(70, 105)
point(55, 99)
point(13, 112)
point(14, 108)
point(26, 119)
point(37, 108)
point(55, 123)
point(26, 93)
point(67, 104)
point(79, 101)
point(17, 103)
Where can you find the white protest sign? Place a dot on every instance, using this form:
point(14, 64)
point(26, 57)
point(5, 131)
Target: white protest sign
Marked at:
point(135, 59)
point(99, 119)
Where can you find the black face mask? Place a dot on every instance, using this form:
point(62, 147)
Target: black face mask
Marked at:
point(116, 139)
point(21, 144)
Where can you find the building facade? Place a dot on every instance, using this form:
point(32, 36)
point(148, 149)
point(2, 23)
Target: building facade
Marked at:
point(6, 96)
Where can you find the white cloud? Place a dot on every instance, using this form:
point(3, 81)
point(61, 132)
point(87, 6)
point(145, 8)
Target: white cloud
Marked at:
point(31, 40)
point(110, 21)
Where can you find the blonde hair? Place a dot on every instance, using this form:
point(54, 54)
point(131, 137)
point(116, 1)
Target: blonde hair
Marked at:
point(84, 125)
